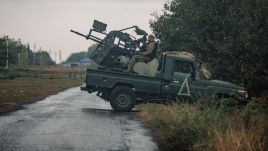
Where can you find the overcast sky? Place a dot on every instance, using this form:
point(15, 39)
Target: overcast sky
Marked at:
point(47, 23)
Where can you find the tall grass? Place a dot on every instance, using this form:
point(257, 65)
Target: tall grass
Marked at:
point(14, 93)
point(44, 72)
point(209, 125)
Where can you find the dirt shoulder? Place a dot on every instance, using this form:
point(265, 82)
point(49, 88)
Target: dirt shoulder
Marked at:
point(14, 93)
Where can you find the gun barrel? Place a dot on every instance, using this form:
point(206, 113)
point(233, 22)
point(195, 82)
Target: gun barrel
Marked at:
point(78, 33)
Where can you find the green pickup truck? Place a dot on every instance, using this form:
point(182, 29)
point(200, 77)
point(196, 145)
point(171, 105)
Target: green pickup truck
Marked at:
point(178, 74)
point(173, 75)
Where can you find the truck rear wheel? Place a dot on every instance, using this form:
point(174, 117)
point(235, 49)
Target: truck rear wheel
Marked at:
point(123, 98)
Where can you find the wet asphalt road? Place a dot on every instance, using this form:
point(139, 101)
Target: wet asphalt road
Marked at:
point(73, 120)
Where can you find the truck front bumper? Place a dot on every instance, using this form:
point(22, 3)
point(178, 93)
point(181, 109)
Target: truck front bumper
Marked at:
point(88, 89)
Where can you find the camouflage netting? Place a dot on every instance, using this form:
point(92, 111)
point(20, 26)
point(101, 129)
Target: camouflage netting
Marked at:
point(205, 72)
point(147, 69)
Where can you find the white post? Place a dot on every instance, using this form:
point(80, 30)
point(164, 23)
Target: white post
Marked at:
point(60, 56)
point(19, 57)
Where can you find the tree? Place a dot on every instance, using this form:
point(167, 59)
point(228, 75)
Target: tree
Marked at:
point(14, 49)
point(91, 48)
point(229, 35)
point(20, 54)
point(43, 58)
point(77, 57)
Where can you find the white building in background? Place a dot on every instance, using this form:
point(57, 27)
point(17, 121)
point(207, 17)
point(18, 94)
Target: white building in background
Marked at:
point(84, 63)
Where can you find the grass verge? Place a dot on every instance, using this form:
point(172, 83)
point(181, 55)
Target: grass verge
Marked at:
point(209, 126)
point(14, 93)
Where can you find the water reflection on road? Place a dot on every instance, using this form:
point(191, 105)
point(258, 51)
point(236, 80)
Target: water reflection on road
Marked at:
point(73, 120)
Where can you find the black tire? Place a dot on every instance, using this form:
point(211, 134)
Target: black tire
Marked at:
point(122, 98)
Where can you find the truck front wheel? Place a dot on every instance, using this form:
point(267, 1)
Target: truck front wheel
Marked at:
point(122, 98)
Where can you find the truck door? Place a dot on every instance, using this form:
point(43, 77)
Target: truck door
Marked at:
point(183, 81)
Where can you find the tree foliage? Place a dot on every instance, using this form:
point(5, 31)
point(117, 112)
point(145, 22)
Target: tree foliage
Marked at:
point(232, 36)
point(21, 54)
point(43, 58)
point(77, 57)
point(92, 47)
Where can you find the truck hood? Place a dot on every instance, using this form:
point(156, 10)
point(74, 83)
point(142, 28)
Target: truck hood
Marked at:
point(225, 84)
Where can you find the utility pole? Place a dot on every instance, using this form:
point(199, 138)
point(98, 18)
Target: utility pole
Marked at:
point(34, 54)
point(55, 57)
point(7, 54)
point(60, 56)
point(40, 63)
point(20, 54)
point(28, 49)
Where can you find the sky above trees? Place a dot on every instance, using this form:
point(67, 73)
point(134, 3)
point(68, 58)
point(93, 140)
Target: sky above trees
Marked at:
point(47, 23)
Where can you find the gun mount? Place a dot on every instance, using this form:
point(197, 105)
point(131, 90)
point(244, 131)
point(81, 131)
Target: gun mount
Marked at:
point(116, 47)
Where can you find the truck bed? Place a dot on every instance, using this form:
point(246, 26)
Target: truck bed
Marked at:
point(103, 79)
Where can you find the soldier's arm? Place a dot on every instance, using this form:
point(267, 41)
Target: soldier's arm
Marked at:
point(149, 49)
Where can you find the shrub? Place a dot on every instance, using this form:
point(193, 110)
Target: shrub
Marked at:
point(209, 125)
point(12, 74)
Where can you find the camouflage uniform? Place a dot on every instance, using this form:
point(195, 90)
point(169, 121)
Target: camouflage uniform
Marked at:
point(144, 56)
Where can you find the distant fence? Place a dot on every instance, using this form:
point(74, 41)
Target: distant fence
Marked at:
point(46, 72)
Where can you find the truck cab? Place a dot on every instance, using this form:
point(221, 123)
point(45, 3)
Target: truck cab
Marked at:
point(184, 75)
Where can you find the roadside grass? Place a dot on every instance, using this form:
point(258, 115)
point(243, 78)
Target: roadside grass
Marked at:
point(14, 93)
point(206, 125)
point(52, 72)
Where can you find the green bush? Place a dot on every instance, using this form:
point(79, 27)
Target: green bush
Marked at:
point(12, 74)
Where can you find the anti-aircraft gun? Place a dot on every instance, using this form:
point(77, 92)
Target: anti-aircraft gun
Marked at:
point(113, 51)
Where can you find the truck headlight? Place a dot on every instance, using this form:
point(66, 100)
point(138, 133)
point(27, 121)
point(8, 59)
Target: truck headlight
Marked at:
point(243, 93)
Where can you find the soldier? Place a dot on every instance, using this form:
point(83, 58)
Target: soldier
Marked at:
point(147, 55)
